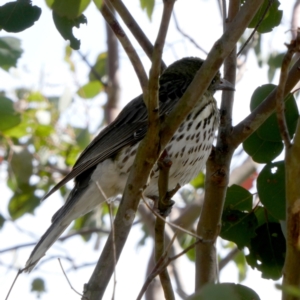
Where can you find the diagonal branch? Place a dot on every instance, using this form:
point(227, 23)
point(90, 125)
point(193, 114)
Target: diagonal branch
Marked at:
point(246, 127)
point(134, 28)
point(124, 40)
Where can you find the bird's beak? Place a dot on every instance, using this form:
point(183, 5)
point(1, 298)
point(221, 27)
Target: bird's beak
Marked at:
point(224, 85)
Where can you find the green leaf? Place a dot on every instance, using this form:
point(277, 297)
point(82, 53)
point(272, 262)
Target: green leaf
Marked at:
point(38, 285)
point(238, 198)
point(90, 90)
point(263, 216)
point(85, 221)
point(99, 69)
point(44, 131)
point(238, 227)
point(2, 220)
point(83, 137)
point(8, 116)
point(269, 130)
point(17, 16)
point(65, 28)
point(225, 291)
point(185, 241)
point(271, 19)
point(21, 164)
point(70, 9)
point(23, 201)
point(267, 251)
point(260, 150)
point(240, 261)
point(148, 5)
point(10, 52)
point(199, 181)
point(271, 188)
point(98, 3)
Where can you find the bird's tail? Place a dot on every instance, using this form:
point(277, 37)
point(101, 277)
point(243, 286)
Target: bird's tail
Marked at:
point(46, 241)
point(79, 202)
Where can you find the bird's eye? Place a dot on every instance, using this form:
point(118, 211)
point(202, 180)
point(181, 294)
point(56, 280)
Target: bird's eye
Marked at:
point(214, 81)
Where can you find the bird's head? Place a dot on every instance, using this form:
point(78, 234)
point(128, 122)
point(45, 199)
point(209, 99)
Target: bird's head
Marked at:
point(187, 68)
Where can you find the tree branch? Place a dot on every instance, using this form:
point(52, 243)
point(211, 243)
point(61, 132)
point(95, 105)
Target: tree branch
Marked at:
point(111, 109)
point(129, 49)
point(217, 174)
point(246, 127)
point(134, 28)
point(147, 154)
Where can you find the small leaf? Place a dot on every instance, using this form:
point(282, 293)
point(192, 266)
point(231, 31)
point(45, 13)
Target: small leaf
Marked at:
point(38, 285)
point(99, 68)
point(10, 52)
point(23, 201)
point(238, 198)
point(2, 220)
point(271, 188)
point(86, 221)
point(21, 164)
point(70, 9)
point(225, 291)
point(238, 227)
point(8, 116)
point(241, 264)
point(198, 182)
point(270, 20)
point(267, 251)
point(83, 137)
point(269, 130)
point(260, 150)
point(65, 27)
point(17, 16)
point(148, 5)
point(90, 90)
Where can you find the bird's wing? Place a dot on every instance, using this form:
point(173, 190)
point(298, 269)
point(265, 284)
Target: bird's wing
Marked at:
point(128, 128)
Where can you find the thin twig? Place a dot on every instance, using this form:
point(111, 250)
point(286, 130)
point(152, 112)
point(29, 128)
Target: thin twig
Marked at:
point(12, 285)
point(187, 36)
point(93, 70)
point(135, 29)
point(228, 258)
point(159, 266)
point(113, 247)
point(292, 48)
point(69, 280)
point(174, 225)
point(82, 231)
point(128, 47)
point(113, 242)
point(255, 28)
point(163, 183)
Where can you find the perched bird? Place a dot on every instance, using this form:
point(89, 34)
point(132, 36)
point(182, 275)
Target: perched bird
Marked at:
point(106, 162)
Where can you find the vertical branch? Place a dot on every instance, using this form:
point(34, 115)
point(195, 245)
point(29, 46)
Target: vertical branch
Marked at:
point(291, 275)
point(111, 109)
point(217, 176)
point(146, 156)
point(164, 164)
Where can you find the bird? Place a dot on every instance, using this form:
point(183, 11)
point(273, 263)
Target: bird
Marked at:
point(107, 160)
